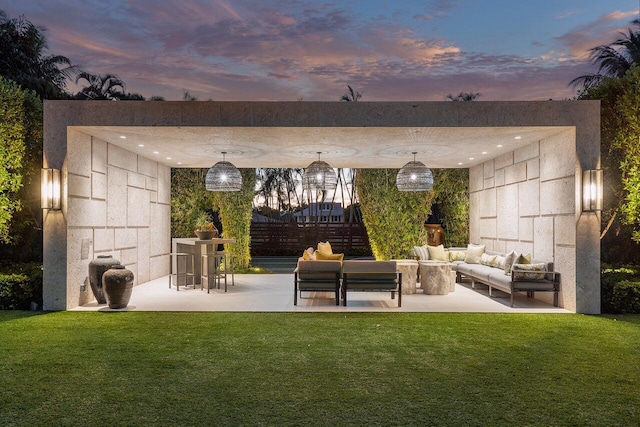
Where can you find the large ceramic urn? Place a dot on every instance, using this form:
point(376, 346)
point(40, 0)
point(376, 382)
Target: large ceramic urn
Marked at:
point(97, 267)
point(435, 234)
point(117, 283)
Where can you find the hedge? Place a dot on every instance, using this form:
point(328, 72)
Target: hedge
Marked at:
point(620, 289)
point(20, 285)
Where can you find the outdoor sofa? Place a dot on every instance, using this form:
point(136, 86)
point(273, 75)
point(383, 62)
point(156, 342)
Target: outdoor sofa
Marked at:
point(507, 272)
point(340, 277)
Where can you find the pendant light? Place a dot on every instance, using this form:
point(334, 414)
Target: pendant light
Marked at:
point(414, 176)
point(319, 175)
point(223, 176)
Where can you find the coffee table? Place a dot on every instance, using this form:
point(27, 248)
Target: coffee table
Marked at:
point(436, 278)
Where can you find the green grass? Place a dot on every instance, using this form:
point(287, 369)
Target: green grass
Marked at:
point(143, 368)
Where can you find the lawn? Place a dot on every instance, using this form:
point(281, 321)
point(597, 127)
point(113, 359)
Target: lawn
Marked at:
point(152, 368)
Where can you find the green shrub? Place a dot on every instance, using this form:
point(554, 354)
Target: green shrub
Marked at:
point(625, 297)
point(20, 285)
point(610, 279)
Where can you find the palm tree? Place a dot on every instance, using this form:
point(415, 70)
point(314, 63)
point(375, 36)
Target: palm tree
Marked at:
point(22, 59)
point(351, 95)
point(613, 60)
point(281, 184)
point(107, 86)
point(464, 96)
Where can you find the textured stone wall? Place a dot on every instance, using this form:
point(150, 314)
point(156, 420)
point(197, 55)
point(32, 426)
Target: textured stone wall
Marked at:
point(118, 204)
point(526, 201)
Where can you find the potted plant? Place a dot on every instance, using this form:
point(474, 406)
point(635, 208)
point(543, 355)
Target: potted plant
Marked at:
point(204, 228)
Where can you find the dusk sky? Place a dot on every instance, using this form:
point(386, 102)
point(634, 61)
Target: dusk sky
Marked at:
point(288, 50)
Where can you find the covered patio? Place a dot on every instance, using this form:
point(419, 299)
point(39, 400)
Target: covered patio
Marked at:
point(525, 160)
point(274, 293)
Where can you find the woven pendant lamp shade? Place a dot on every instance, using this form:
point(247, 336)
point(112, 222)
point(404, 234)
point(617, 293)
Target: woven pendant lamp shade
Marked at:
point(414, 176)
point(319, 175)
point(223, 176)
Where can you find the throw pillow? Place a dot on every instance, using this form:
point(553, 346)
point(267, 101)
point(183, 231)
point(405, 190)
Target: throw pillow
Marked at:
point(456, 255)
point(421, 252)
point(529, 271)
point(309, 254)
point(500, 262)
point(524, 259)
point(489, 260)
point(329, 257)
point(474, 252)
point(325, 247)
point(437, 253)
point(509, 260)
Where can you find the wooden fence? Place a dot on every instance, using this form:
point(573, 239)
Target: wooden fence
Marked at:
point(281, 237)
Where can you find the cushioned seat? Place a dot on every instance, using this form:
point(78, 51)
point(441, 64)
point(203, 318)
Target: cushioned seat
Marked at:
point(367, 276)
point(310, 276)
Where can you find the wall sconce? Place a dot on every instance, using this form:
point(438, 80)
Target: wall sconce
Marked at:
point(592, 190)
point(50, 189)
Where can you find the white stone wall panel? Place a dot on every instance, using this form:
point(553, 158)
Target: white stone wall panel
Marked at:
point(528, 152)
point(86, 213)
point(98, 186)
point(558, 197)
point(476, 178)
point(138, 207)
point(79, 153)
point(543, 238)
point(78, 186)
point(164, 184)
point(99, 156)
point(103, 239)
point(147, 167)
point(515, 173)
point(122, 158)
point(117, 197)
point(529, 198)
point(507, 210)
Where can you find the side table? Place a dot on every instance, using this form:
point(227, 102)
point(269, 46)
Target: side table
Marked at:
point(435, 278)
point(409, 270)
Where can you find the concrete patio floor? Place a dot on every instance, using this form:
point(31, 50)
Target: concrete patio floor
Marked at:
point(274, 293)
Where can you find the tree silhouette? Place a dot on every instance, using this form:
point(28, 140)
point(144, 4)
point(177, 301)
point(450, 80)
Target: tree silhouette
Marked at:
point(463, 96)
point(351, 95)
point(613, 59)
point(22, 59)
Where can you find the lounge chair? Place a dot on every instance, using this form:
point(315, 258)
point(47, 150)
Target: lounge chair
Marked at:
point(320, 276)
point(368, 276)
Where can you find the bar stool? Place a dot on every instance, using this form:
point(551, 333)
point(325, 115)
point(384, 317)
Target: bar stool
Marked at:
point(184, 258)
point(209, 268)
point(227, 260)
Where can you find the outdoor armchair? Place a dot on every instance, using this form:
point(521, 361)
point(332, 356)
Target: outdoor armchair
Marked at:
point(371, 276)
point(312, 276)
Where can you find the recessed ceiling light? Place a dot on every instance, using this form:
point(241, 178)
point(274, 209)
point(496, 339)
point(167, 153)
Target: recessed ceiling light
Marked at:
point(499, 145)
point(123, 137)
point(140, 145)
point(168, 158)
point(459, 163)
point(179, 163)
point(156, 152)
point(484, 152)
point(518, 137)
point(470, 158)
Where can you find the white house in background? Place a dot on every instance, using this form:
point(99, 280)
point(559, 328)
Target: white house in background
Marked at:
point(326, 211)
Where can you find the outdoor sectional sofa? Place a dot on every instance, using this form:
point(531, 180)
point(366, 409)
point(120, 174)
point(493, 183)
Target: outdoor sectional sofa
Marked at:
point(509, 279)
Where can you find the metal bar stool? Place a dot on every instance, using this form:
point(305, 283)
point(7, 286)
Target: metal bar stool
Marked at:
point(184, 258)
point(210, 264)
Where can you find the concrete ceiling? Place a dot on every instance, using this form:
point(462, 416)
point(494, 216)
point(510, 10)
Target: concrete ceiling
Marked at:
point(341, 147)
